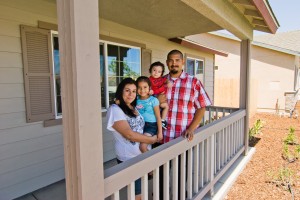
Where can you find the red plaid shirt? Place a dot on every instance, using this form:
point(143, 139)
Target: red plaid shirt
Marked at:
point(184, 98)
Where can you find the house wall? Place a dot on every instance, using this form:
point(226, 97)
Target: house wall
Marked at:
point(31, 155)
point(272, 74)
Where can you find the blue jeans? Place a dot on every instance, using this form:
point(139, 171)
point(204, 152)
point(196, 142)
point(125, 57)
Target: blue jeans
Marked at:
point(151, 128)
point(137, 183)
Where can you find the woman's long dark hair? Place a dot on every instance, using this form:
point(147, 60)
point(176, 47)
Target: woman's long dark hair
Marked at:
point(119, 96)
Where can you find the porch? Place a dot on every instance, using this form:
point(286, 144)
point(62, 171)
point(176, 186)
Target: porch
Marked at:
point(38, 150)
point(214, 160)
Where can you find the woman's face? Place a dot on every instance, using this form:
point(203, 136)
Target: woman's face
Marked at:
point(129, 93)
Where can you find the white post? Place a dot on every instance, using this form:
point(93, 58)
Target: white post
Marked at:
point(245, 86)
point(78, 29)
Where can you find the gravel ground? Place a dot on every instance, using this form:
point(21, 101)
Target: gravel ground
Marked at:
point(258, 180)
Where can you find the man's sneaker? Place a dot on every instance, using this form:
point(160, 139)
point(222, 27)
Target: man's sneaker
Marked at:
point(164, 124)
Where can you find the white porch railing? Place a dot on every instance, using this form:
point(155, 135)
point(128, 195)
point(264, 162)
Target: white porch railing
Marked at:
point(213, 150)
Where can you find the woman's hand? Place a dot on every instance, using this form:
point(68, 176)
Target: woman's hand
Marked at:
point(154, 139)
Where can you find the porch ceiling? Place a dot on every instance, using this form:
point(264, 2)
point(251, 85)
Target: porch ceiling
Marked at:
point(178, 18)
point(167, 18)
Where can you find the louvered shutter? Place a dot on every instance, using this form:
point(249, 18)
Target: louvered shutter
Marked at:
point(146, 61)
point(38, 75)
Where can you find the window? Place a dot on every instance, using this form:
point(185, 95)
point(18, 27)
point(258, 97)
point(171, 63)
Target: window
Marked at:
point(195, 67)
point(56, 76)
point(122, 61)
point(40, 51)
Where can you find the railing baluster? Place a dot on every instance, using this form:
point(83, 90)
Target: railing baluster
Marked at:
point(166, 180)
point(223, 147)
point(201, 173)
point(196, 169)
point(231, 142)
point(215, 152)
point(226, 143)
point(175, 178)
point(219, 146)
point(156, 184)
point(209, 113)
point(190, 174)
point(211, 165)
point(145, 187)
point(182, 176)
point(130, 191)
point(233, 138)
point(241, 132)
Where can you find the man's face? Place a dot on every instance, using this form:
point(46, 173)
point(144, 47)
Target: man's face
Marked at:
point(175, 64)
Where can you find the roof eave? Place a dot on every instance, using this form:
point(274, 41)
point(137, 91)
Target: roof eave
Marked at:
point(266, 12)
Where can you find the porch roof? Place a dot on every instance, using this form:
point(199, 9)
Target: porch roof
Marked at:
point(194, 45)
point(171, 19)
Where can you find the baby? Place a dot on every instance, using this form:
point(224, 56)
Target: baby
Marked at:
point(158, 86)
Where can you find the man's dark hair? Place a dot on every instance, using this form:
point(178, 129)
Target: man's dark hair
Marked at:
point(157, 63)
point(175, 51)
point(119, 96)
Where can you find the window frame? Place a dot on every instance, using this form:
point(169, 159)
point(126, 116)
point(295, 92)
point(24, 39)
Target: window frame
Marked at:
point(198, 58)
point(53, 77)
point(106, 43)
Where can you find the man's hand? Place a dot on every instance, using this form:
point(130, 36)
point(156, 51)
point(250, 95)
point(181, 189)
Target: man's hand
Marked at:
point(154, 139)
point(188, 134)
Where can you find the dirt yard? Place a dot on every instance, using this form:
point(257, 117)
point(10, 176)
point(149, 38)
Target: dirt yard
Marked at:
point(261, 178)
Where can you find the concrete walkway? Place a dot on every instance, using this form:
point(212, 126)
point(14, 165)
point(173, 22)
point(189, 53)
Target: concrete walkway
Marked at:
point(57, 191)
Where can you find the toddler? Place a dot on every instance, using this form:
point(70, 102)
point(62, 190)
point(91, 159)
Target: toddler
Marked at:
point(158, 86)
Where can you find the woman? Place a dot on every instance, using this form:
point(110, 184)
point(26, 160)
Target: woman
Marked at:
point(127, 125)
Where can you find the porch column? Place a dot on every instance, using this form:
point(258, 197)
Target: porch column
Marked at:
point(245, 86)
point(78, 28)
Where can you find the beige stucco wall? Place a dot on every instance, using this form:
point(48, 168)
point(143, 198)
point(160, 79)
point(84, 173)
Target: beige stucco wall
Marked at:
point(272, 74)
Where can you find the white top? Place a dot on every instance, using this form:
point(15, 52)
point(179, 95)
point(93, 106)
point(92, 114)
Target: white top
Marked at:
point(124, 148)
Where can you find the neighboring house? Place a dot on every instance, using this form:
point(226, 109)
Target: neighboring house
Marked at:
point(275, 74)
point(34, 150)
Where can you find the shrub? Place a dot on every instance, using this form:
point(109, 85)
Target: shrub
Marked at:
point(291, 137)
point(256, 129)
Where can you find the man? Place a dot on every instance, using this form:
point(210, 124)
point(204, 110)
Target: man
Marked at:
point(187, 100)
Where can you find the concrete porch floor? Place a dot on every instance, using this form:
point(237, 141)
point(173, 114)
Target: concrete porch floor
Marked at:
point(57, 191)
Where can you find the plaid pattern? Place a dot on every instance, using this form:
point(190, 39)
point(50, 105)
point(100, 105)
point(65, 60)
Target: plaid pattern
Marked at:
point(184, 98)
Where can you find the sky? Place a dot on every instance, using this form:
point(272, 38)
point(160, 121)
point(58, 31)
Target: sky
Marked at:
point(287, 13)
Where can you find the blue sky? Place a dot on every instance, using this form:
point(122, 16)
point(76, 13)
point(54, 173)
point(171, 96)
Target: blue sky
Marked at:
point(287, 13)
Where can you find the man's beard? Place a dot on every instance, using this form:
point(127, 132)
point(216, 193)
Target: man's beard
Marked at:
point(173, 70)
